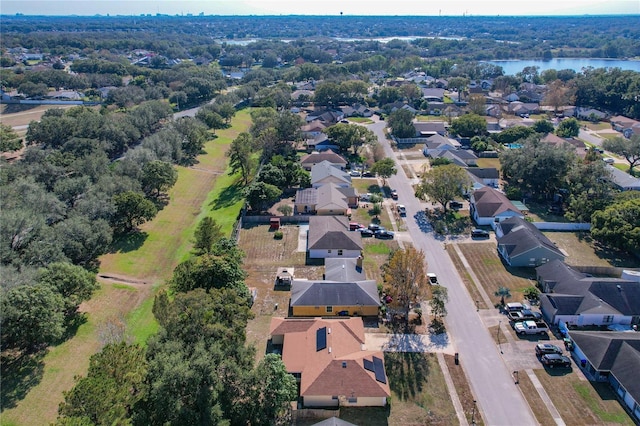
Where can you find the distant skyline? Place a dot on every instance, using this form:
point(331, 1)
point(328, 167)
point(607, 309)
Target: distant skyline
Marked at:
point(325, 7)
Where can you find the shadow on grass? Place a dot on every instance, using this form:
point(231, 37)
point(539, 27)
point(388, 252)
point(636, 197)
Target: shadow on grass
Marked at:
point(20, 372)
point(370, 416)
point(229, 196)
point(128, 242)
point(13, 108)
point(615, 257)
point(407, 373)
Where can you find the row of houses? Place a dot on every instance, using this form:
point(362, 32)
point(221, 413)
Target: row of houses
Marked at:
point(322, 341)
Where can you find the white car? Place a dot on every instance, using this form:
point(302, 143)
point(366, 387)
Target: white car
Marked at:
point(609, 160)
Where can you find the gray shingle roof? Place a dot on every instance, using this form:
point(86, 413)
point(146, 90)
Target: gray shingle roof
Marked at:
point(317, 157)
point(332, 232)
point(343, 269)
point(307, 196)
point(334, 293)
point(490, 202)
point(325, 170)
point(521, 236)
point(484, 172)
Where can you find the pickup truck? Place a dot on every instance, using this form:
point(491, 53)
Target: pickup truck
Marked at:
point(530, 327)
point(524, 315)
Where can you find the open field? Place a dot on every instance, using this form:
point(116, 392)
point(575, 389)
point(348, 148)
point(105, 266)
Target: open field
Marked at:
point(141, 264)
point(463, 390)
point(489, 162)
point(466, 278)
point(534, 400)
point(582, 250)
point(21, 115)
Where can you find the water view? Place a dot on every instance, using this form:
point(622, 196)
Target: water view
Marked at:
point(512, 67)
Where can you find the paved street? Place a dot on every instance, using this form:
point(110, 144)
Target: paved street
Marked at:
point(490, 378)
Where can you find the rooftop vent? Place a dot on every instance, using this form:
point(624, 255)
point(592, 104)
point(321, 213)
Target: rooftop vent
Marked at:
point(344, 364)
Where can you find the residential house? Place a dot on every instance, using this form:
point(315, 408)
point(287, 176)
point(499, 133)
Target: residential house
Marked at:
point(321, 143)
point(460, 157)
point(521, 244)
point(312, 129)
point(627, 126)
point(429, 128)
point(357, 110)
point(329, 199)
point(590, 114)
point(612, 357)
point(324, 172)
point(579, 147)
point(310, 160)
point(329, 236)
point(344, 269)
point(433, 95)
point(522, 109)
point(489, 206)
point(328, 117)
point(438, 143)
point(314, 298)
point(622, 180)
point(487, 176)
point(329, 360)
point(583, 300)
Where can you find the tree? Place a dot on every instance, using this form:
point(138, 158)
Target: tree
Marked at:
point(285, 209)
point(444, 184)
point(270, 390)
point(384, 168)
point(350, 136)
point(439, 298)
point(531, 293)
point(241, 156)
point(159, 176)
point(9, 140)
point(542, 127)
point(589, 187)
point(478, 104)
point(401, 123)
point(260, 194)
point(628, 148)
point(502, 292)
point(113, 386)
point(206, 234)
point(32, 316)
point(568, 128)
point(558, 94)
point(469, 125)
point(618, 225)
point(73, 283)
point(538, 169)
point(208, 271)
point(132, 209)
point(405, 277)
point(458, 83)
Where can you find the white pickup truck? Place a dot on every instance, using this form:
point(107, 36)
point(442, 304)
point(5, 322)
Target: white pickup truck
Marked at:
point(531, 327)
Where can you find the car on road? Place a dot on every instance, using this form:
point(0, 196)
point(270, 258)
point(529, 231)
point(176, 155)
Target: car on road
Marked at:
point(365, 232)
point(547, 348)
point(433, 279)
point(394, 194)
point(555, 360)
point(402, 210)
point(479, 233)
point(383, 235)
point(609, 160)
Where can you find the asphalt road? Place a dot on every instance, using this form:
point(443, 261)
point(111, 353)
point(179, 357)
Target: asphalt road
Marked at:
point(587, 136)
point(498, 397)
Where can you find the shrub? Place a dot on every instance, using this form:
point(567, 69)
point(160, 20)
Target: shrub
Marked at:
point(278, 235)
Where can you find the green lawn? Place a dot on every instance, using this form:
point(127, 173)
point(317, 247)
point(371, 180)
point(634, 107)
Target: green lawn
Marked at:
point(361, 120)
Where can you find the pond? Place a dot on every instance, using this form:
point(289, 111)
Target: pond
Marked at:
point(512, 67)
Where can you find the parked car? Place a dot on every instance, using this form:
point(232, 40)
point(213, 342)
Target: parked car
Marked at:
point(394, 194)
point(365, 232)
point(366, 197)
point(547, 348)
point(609, 160)
point(354, 173)
point(354, 226)
point(515, 306)
point(402, 210)
point(524, 315)
point(367, 174)
point(479, 233)
point(383, 235)
point(375, 227)
point(555, 360)
point(433, 279)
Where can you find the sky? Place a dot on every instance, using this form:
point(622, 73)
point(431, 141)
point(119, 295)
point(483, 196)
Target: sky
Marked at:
point(323, 7)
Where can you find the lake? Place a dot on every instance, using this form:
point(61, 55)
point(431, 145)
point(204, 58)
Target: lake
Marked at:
point(512, 67)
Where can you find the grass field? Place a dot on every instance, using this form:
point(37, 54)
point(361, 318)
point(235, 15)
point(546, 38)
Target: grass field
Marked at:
point(582, 250)
point(22, 115)
point(142, 264)
point(492, 272)
point(580, 402)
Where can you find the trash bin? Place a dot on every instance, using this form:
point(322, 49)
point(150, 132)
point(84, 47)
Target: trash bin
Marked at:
point(456, 359)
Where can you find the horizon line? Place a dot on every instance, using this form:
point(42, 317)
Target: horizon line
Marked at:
point(201, 15)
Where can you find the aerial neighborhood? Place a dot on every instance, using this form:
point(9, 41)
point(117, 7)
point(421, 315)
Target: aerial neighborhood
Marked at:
point(297, 220)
